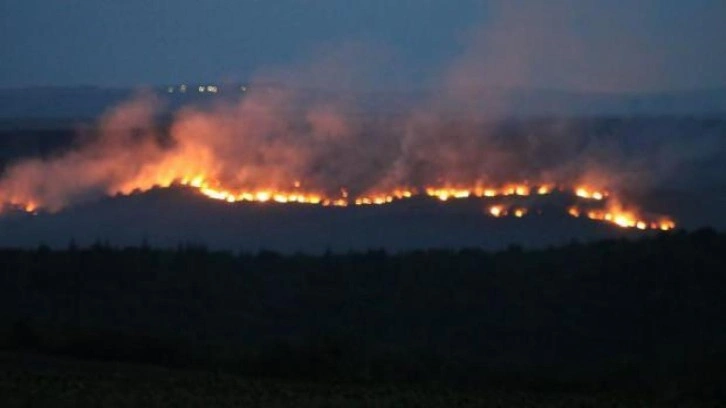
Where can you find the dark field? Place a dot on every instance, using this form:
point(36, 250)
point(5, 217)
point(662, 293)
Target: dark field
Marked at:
point(583, 324)
point(40, 381)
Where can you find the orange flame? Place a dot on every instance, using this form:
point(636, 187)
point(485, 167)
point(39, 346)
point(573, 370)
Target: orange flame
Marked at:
point(590, 193)
point(497, 211)
point(612, 214)
point(623, 218)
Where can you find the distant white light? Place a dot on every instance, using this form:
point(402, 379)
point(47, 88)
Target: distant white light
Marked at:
point(243, 88)
point(170, 89)
point(212, 88)
point(201, 89)
point(183, 88)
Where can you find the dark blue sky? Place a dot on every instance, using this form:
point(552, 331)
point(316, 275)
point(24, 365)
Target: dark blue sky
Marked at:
point(604, 45)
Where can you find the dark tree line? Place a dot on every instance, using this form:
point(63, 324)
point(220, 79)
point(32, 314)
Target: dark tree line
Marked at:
point(612, 310)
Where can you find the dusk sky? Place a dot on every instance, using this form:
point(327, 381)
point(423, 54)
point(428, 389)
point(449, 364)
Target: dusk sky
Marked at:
point(640, 45)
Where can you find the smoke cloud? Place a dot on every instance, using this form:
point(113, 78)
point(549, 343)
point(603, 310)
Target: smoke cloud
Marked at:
point(304, 135)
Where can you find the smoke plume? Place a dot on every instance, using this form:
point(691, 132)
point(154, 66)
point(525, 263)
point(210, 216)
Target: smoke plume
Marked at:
point(304, 136)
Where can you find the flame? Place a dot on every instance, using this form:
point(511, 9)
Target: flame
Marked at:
point(497, 211)
point(590, 193)
point(512, 189)
point(208, 187)
point(444, 194)
point(544, 189)
point(500, 210)
point(622, 218)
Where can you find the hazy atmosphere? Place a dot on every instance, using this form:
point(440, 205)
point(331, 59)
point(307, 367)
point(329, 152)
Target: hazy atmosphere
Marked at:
point(362, 203)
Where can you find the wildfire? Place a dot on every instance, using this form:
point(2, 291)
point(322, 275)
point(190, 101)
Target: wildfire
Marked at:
point(497, 211)
point(444, 194)
point(381, 198)
point(544, 189)
point(295, 193)
point(522, 189)
point(591, 194)
point(623, 218)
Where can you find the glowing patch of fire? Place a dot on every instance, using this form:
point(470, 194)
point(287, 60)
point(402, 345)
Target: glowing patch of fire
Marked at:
point(294, 194)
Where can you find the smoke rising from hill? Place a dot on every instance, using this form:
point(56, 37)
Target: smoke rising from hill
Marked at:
point(286, 138)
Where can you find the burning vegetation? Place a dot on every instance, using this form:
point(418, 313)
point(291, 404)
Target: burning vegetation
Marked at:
point(611, 213)
point(267, 149)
